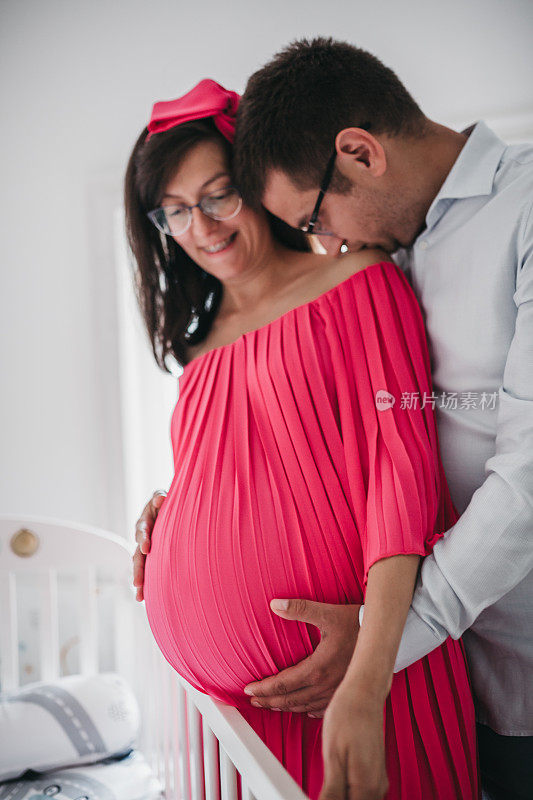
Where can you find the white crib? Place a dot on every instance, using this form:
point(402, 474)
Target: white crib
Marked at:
point(195, 745)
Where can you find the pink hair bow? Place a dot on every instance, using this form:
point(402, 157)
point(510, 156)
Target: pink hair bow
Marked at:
point(206, 99)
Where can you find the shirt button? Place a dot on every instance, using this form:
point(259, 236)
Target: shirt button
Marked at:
point(424, 245)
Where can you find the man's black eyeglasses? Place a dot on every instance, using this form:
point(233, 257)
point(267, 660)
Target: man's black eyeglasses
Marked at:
point(323, 189)
point(310, 228)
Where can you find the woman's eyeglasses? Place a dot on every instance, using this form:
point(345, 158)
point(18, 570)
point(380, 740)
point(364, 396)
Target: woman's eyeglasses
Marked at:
point(176, 219)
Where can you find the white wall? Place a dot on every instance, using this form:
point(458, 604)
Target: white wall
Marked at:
point(77, 83)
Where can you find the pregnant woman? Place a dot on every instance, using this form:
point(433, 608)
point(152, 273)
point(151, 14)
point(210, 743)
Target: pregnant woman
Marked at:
point(298, 473)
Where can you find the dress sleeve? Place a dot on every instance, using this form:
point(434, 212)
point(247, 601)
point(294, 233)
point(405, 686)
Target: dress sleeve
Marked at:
point(399, 509)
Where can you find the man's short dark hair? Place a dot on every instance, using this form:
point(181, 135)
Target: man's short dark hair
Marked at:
point(294, 106)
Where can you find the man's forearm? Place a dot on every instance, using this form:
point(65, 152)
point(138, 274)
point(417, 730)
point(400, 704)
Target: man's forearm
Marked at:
point(482, 558)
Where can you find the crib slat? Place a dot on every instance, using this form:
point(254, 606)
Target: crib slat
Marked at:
point(195, 750)
point(88, 622)
point(156, 717)
point(165, 723)
point(49, 626)
point(9, 642)
point(124, 631)
point(185, 776)
point(210, 763)
point(228, 777)
point(176, 744)
point(144, 680)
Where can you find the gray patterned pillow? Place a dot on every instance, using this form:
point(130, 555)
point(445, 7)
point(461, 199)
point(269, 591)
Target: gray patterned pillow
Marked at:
point(74, 720)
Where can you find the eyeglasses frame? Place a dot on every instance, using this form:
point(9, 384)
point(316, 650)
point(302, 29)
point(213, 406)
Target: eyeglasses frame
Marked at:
point(323, 189)
point(152, 214)
point(326, 180)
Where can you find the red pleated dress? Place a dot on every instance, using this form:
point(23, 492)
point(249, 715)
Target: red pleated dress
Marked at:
point(301, 459)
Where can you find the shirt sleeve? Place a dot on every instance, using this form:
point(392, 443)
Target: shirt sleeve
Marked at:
point(489, 549)
point(404, 509)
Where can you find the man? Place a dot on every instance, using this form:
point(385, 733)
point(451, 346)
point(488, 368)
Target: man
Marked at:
point(456, 209)
point(329, 140)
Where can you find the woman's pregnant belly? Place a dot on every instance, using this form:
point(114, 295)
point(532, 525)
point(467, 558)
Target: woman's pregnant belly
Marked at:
point(215, 564)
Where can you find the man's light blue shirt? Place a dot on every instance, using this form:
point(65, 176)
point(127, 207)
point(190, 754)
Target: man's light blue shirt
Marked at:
point(472, 271)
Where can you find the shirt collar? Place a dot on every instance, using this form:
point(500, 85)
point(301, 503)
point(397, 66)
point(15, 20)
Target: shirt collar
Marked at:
point(472, 174)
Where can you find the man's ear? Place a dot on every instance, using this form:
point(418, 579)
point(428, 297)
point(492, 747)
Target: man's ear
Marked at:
point(358, 150)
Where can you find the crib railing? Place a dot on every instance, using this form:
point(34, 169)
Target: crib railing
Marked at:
point(199, 748)
point(217, 744)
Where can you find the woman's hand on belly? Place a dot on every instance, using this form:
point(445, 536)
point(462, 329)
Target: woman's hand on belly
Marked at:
point(309, 685)
point(143, 534)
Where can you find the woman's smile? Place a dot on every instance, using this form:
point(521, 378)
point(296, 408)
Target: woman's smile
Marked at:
point(221, 246)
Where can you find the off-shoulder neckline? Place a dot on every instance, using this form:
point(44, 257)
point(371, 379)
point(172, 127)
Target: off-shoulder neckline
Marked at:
point(316, 299)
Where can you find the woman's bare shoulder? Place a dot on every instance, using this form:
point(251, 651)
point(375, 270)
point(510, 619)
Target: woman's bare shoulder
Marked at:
point(334, 271)
point(353, 262)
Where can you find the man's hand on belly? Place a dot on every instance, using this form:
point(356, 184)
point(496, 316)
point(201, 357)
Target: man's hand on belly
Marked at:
point(309, 686)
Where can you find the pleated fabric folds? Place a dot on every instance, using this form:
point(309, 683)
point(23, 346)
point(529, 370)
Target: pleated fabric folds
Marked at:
point(303, 456)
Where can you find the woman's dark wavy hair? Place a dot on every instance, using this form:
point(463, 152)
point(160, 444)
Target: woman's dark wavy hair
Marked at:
point(178, 299)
